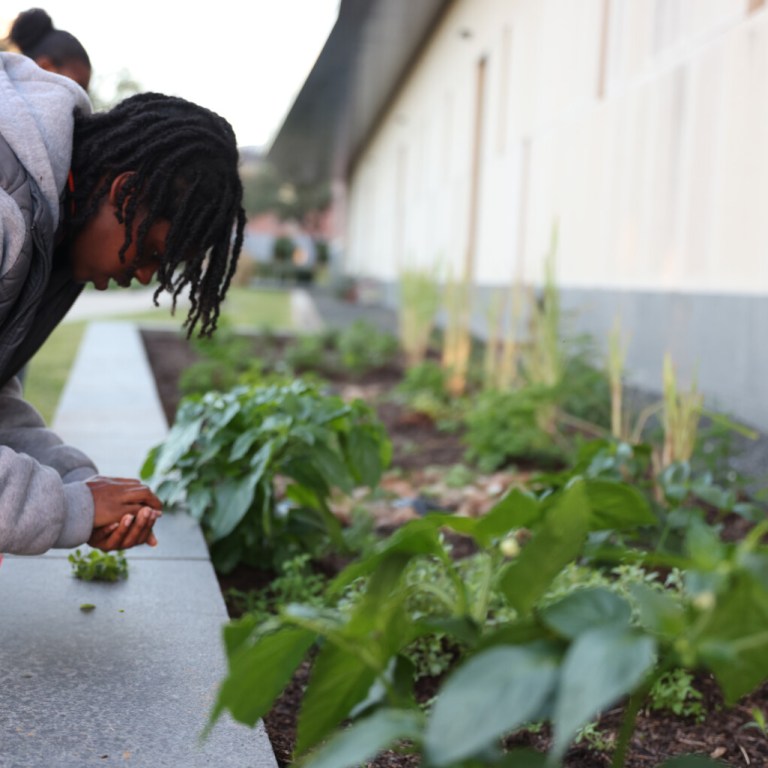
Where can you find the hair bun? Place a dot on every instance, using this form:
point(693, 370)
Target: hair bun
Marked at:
point(30, 28)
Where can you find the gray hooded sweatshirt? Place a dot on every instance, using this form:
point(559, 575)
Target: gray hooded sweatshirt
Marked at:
point(44, 501)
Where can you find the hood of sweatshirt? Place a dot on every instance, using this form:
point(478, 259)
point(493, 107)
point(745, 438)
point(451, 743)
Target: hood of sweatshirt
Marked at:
point(37, 120)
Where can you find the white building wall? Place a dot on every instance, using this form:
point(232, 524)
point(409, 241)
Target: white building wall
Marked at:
point(656, 185)
point(643, 132)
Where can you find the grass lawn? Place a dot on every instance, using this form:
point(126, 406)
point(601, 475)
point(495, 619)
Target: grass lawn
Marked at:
point(48, 371)
point(258, 308)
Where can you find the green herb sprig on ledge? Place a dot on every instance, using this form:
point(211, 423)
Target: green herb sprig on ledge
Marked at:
point(99, 566)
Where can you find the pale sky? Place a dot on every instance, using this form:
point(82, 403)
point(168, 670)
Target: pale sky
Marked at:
point(245, 59)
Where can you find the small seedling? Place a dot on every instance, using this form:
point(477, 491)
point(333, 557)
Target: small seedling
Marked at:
point(99, 566)
point(87, 607)
point(758, 722)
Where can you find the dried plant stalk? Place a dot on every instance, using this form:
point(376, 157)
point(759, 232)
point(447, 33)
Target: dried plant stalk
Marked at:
point(457, 342)
point(680, 417)
point(617, 355)
point(419, 303)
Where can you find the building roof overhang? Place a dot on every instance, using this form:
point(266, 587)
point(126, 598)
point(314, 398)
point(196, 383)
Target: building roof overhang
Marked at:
point(361, 66)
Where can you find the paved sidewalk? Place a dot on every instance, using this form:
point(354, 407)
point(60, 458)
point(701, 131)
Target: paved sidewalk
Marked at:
point(131, 682)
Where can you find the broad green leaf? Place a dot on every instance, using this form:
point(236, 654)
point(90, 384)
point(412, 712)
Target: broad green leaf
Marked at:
point(601, 666)
point(306, 473)
point(660, 613)
point(557, 542)
point(227, 553)
point(722, 498)
point(327, 622)
point(242, 445)
point(585, 609)
point(491, 694)
point(237, 632)
point(231, 408)
point(704, 547)
point(617, 506)
point(198, 501)
point(331, 466)
point(179, 441)
point(378, 620)
point(361, 742)
point(147, 470)
point(338, 681)
point(261, 459)
point(315, 513)
point(734, 642)
point(419, 537)
point(364, 457)
point(462, 628)
point(515, 510)
point(233, 499)
point(524, 758)
point(756, 564)
point(258, 673)
point(519, 632)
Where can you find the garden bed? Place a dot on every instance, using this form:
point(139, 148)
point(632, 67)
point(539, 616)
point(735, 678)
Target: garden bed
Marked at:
point(428, 466)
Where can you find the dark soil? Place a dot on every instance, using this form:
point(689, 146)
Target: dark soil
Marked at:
point(418, 445)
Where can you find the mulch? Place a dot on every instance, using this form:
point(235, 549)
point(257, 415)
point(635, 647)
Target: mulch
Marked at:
point(418, 445)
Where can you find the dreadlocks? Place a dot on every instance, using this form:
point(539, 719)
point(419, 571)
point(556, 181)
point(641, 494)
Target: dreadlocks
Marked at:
point(183, 160)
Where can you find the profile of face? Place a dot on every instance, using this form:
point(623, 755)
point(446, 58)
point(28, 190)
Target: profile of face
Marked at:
point(94, 253)
point(74, 69)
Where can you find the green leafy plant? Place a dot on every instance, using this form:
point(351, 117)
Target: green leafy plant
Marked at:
point(363, 347)
point(223, 360)
point(505, 426)
point(543, 361)
point(98, 566)
point(310, 351)
point(424, 389)
point(256, 466)
point(296, 582)
point(758, 722)
point(674, 691)
point(563, 660)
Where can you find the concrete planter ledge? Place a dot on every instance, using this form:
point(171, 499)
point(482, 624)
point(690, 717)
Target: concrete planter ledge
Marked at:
point(131, 682)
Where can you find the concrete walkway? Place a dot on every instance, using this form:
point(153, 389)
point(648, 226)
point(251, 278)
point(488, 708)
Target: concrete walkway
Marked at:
point(130, 683)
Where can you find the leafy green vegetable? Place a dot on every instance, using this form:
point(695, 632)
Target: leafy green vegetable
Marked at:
point(98, 566)
point(227, 453)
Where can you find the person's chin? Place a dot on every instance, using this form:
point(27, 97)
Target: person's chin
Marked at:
point(101, 284)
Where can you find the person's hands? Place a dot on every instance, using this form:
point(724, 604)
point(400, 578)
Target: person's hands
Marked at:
point(129, 531)
point(124, 511)
point(116, 497)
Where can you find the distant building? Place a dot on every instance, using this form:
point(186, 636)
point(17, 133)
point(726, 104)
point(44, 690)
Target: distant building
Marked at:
point(462, 130)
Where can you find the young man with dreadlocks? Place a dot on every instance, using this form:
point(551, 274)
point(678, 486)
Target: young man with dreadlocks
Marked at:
point(149, 188)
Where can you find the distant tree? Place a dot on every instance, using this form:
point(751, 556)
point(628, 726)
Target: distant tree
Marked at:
point(261, 188)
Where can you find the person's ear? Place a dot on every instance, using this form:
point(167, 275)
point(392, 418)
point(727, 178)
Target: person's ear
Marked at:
point(117, 186)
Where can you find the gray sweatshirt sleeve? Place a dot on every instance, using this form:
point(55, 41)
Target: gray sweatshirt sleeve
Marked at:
point(44, 501)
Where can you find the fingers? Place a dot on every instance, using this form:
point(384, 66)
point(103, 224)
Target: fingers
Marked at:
point(100, 537)
point(130, 531)
point(136, 529)
point(144, 496)
point(115, 497)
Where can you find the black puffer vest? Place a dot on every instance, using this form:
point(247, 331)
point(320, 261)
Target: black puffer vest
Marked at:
point(36, 287)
